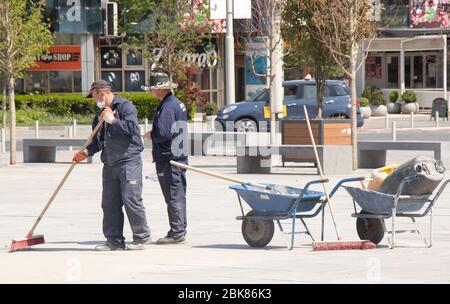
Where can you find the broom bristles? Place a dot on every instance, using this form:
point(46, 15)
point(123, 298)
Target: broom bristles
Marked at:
point(27, 242)
point(343, 245)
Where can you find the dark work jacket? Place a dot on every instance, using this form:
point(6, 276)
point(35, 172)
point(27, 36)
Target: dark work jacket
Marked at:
point(121, 141)
point(169, 132)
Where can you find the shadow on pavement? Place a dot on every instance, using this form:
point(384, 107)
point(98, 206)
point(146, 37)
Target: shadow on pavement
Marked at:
point(237, 246)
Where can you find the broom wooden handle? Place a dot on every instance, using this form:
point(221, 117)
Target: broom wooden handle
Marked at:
point(224, 177)
point(72, 166)
point(319, 166)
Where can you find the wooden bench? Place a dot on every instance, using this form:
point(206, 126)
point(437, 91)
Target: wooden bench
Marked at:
point(257, 159)
point(43, 150)
point(372, 154)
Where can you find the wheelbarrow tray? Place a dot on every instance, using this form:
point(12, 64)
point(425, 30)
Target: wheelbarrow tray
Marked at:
point(266, 202)
point(382, 203)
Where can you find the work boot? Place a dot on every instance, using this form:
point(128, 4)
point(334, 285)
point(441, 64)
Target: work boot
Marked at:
point(110, 247)
point(171, 240)
point(139, 245)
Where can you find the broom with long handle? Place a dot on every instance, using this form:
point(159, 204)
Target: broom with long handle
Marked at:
point(332, 245)
point(31, 239)
point(319, 166)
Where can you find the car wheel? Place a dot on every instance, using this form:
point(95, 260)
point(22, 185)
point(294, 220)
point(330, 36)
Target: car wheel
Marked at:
point(246, 125)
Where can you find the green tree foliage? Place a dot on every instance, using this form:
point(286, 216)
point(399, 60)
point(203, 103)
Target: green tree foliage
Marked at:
point(345, 28)
point(23, 36)
point(165, 31)
point(304, 47)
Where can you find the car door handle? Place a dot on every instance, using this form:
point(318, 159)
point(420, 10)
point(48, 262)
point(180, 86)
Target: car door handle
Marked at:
point(329, 101)
point(291, 104)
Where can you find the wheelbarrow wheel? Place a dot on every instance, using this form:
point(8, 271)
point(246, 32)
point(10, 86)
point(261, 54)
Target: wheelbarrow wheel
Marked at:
point(369, 229)
point(257, 233)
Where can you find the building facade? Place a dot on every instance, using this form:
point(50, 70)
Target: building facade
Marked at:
point(82, 53)
point(411, 53)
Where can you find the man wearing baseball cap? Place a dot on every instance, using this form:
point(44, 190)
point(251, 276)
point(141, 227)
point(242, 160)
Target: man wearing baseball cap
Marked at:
point(119, 139)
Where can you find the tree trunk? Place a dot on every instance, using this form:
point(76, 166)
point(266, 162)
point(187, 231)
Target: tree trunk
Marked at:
point(12, 121)
point(353, 54)
point(354, 128)
point(4, 91)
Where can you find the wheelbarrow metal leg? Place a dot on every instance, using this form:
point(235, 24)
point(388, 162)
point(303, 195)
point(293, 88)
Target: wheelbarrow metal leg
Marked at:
point(387, 233)
point(419, 233)
point(307, 230)
point(293, 228)
point(431, 228)
point(282, 234)
point(393, 227)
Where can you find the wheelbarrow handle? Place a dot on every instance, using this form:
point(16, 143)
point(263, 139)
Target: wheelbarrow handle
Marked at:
point(214, 174)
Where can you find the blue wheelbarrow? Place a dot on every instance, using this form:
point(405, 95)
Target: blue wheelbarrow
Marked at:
point(376, 207)
point(287, 203)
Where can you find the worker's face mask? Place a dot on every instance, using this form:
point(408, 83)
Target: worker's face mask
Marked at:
point(100, 102)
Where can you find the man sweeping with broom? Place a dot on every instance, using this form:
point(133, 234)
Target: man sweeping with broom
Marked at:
point(121, 146)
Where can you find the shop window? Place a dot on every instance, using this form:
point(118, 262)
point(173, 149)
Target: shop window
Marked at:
point(418, 72)
point(77, 82)
point(423, 71)
point(407, 72)
point(111, 58)
point(134, 80)
point(431, 72)
point(19, 87)
point(115, 78)
point(134, 58)
point(37, 83)
point(392, 72)
point(61, 81)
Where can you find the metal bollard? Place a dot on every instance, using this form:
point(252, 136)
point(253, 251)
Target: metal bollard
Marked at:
point(74, 126)
point(36, 128)
point(3, 140)
point(146, 125)
point(412, 120)
point(386, 121)
point(70, 135)
point(437, 119)
point(142, 133)
point(394, 131)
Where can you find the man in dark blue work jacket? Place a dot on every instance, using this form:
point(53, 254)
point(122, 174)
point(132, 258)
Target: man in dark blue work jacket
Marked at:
point(120, 141)
point(169, 142)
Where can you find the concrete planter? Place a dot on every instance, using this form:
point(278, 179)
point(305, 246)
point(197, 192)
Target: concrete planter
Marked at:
point(366, 112)
point(394, 108)
point(379, 110)
point(408, 108)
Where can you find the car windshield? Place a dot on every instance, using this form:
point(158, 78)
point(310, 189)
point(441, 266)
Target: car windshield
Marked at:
point(261, 95)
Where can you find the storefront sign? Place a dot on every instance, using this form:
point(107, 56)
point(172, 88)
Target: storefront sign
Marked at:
point(59, 58)
point(429, 13)
point(206, 58)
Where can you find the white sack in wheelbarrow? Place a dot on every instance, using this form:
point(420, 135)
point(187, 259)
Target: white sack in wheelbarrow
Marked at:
point(429, 171)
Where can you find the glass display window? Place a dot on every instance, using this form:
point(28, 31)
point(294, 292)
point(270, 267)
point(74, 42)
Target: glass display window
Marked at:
point(115, 78)
point(134, 80)
point(111, 58)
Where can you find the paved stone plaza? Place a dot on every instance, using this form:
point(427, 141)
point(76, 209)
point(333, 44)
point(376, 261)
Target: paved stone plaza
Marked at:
point(215, 251)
